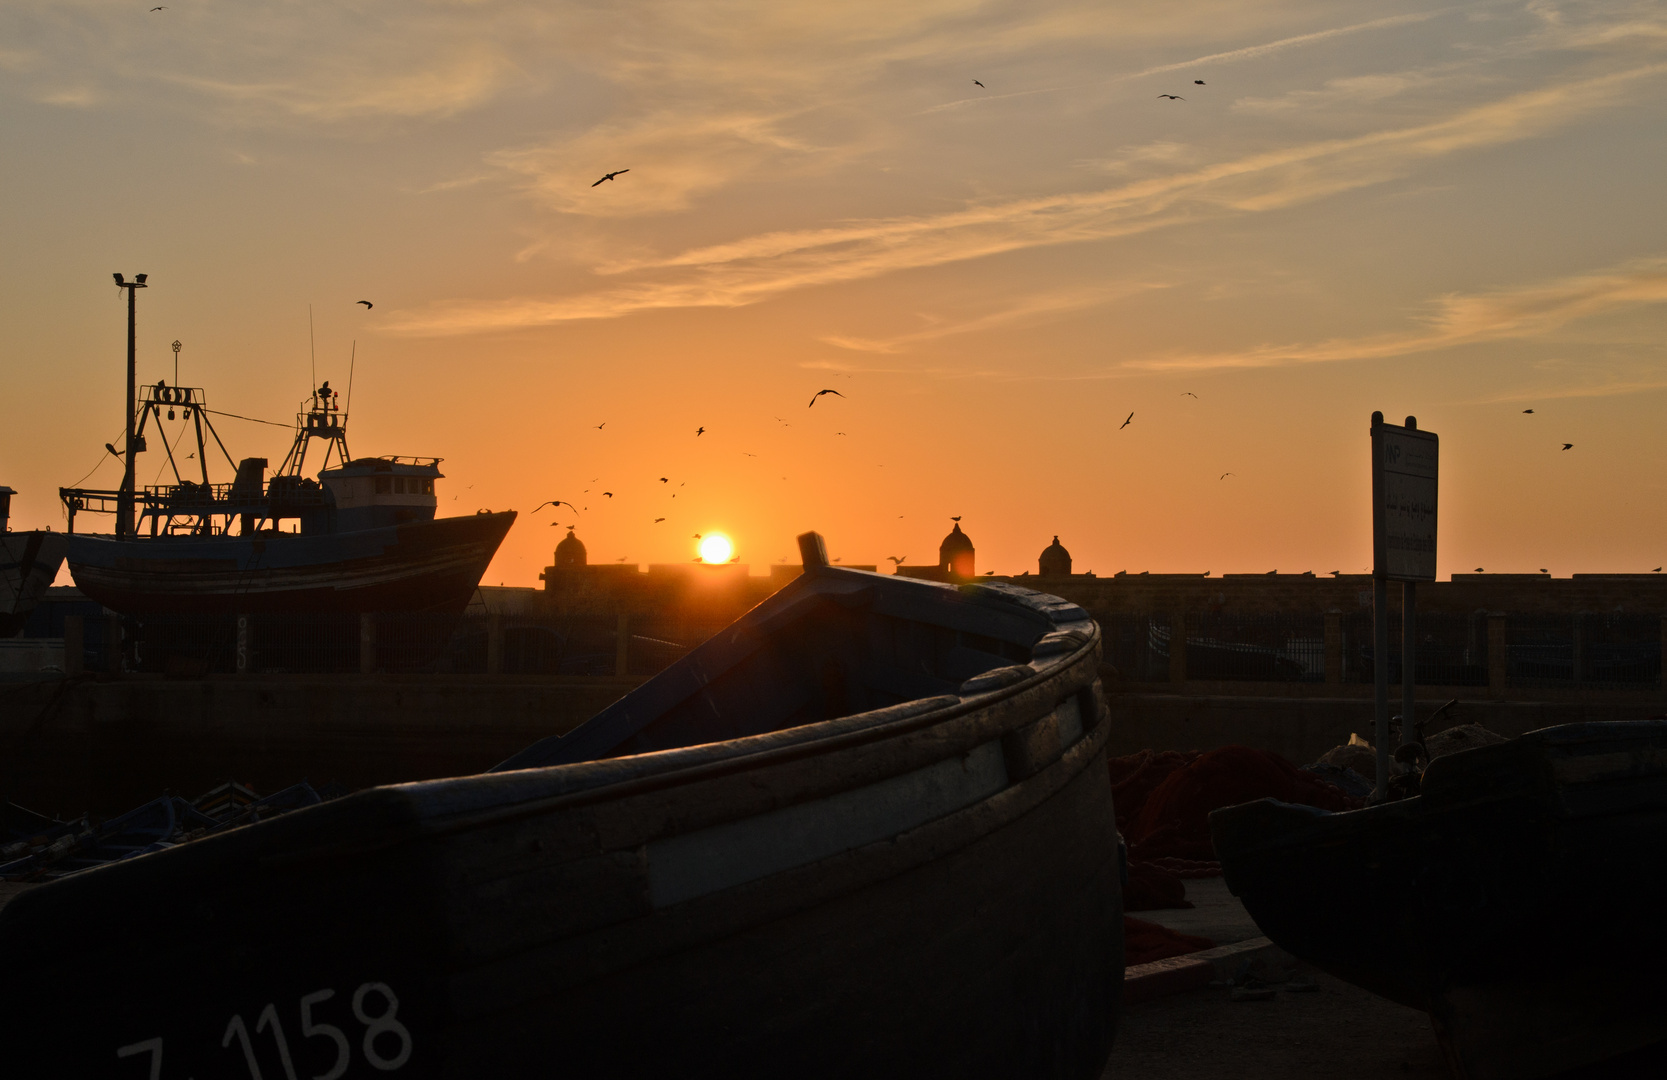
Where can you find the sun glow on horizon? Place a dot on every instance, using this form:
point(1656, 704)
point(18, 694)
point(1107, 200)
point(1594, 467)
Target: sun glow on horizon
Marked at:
point(716, 548)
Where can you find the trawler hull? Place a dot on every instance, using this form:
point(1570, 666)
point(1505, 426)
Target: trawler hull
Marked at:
point(28, 563)
point(415, 566)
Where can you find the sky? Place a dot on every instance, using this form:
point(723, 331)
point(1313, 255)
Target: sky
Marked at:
point(1452, 212)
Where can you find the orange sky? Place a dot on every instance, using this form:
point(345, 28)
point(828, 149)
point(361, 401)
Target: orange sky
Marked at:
point(1446, 211)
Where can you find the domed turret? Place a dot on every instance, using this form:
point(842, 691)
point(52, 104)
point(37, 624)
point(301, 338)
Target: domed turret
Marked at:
point(1055, 561)
point(570, 553)
point(955, 554)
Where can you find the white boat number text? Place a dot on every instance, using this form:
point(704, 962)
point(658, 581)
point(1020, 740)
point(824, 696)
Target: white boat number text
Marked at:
point(386, 1044)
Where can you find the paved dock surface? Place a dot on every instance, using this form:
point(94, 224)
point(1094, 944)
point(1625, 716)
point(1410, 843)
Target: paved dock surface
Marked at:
point(1216, 914)
point(1337, 1031)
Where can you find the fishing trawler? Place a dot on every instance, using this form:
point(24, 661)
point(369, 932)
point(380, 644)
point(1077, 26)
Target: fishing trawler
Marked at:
point(28, 563)
point(362, 537)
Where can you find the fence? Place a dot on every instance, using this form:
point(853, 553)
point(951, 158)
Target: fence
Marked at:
point(405, 644)
point(1588, 651)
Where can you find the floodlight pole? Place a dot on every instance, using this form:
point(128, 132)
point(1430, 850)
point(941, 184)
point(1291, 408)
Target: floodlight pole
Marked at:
point(125, 499)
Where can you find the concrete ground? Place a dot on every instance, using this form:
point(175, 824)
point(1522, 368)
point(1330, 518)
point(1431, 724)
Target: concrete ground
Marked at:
point(1216, 914)
point(1337, 1031)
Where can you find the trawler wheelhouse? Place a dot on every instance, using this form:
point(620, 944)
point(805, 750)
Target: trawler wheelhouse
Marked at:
point(369, 493)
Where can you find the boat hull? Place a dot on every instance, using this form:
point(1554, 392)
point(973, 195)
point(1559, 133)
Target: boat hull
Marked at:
point(925, 888)
point(415, 566)
point(1516, 900)
point(29, 562)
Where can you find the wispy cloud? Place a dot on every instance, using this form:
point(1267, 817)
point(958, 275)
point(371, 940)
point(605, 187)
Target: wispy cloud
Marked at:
point(1029, 309)
point(751, 269)
point(1528, 311)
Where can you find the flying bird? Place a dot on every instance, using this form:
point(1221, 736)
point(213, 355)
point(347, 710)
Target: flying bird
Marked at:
point(839, 433)
point(819, 393)
point(554, 502)
point(1568, 446)
point(664, 480)
point(975, 82)
point(745, 454)
point(658, 520)
point(156, 9)
point(699, 431)
point(611, 175)
point(1198, 82)
point(1543, 570)
point(1172, 97)
point(697, 536)
point(367, 303)
point(602, 425)
point(898, 559)
point(1125, 423)
point(1190, 394)
point(609, 494)
point(1526, 412)
point(1224, 476)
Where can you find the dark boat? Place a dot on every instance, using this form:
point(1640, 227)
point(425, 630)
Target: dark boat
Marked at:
point(1517, 899)
point(28, 563)
point(864, 830)
point(365, 537)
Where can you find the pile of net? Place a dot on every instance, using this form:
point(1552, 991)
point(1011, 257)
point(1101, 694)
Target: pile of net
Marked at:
point(1163, 800)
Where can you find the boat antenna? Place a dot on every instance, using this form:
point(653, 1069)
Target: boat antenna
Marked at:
point(351, 360)
point(312, 348)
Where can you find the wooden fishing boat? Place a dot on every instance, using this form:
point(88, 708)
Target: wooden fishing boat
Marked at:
point(1516, 899)
point(864, 830)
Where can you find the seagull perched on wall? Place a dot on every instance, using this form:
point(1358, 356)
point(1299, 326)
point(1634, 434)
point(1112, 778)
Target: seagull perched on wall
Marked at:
point(819, 393)
point(611, 175)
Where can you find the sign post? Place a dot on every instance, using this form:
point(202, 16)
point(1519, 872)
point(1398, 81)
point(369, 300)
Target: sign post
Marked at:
point(1404, 471)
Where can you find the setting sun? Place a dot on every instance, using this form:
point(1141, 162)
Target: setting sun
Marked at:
point(716, 548)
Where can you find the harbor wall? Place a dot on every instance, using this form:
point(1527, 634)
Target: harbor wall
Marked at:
point(106, 745)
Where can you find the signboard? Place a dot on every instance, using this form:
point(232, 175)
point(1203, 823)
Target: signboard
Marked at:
point(1403, 500)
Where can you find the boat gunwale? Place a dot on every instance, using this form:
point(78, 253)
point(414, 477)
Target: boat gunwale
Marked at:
point(661, 930)
point(736, 757)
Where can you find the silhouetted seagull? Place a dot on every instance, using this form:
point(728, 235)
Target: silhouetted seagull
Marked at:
point(663, 480)
point(819, 393)
point(609, 494)
point(1125, 423)
point(658, 520)
point(367, 303)
point(898, 559)
point(1172, 97)
point(611, 175)
point(1525, 412)
point(699, 431)
point(602, 425)
point(554, 502)
point(1190, 394)
point(975, 82)
point(1198, 82)
point(1568, 446)
point(1224, 476)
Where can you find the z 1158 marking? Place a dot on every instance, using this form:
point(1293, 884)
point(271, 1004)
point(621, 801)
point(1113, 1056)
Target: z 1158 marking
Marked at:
point(381, 1029)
